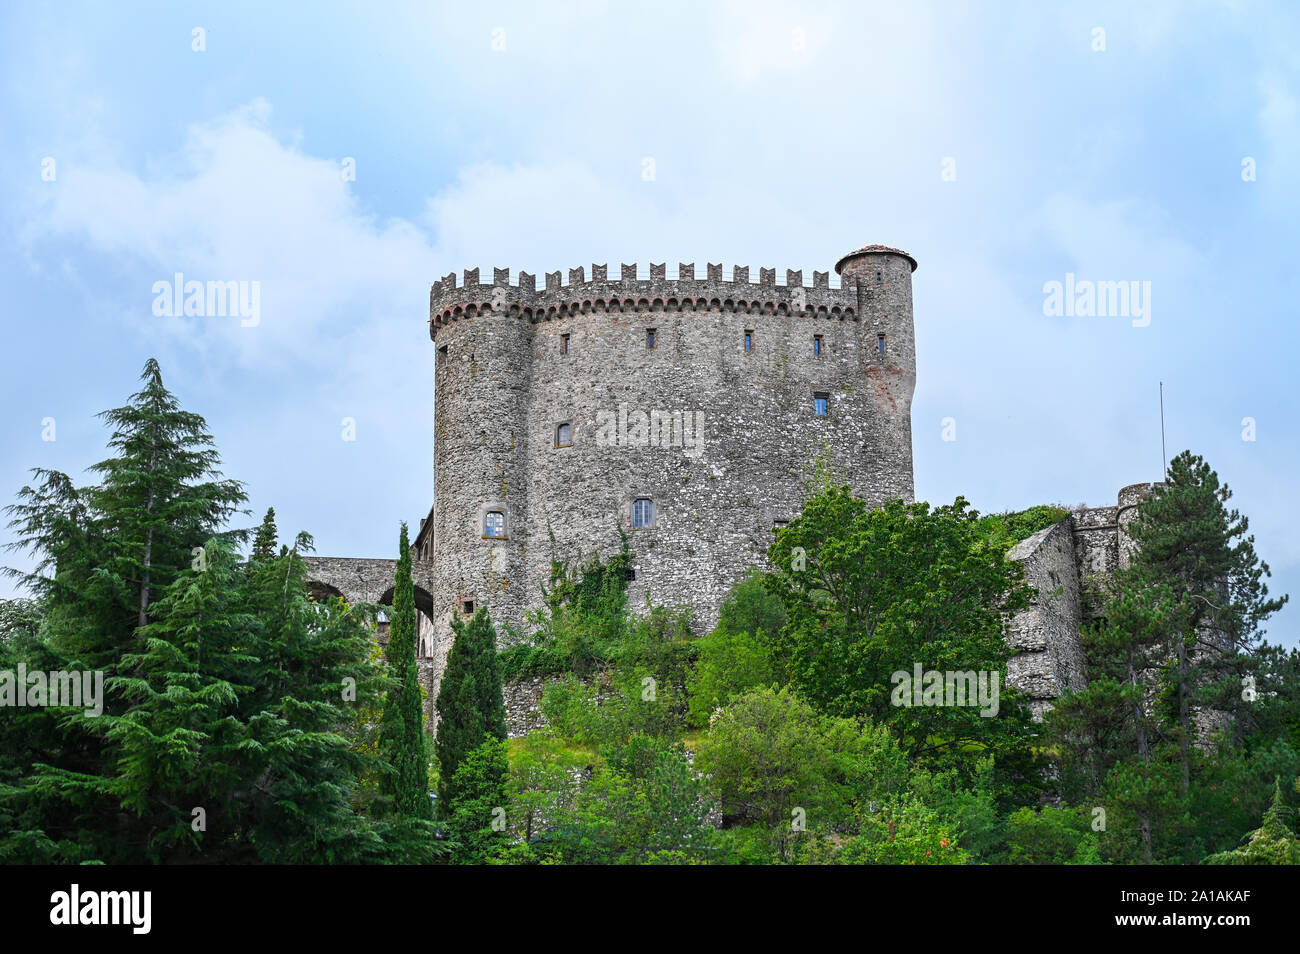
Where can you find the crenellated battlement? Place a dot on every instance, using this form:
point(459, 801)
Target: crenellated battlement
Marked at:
point(630, 292)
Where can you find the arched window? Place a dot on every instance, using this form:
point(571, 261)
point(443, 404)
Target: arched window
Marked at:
point(643, 513)
point(563, 434)
point(494, 524)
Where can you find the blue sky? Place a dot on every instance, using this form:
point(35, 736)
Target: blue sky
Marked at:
point(781, 135)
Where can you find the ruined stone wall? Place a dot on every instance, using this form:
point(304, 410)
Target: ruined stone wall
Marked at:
point(1046, 635)
point(740, 440)
point(1070, 564)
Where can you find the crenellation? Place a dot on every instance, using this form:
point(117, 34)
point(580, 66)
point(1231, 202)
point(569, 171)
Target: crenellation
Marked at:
point(666, 349)
point(522, 429)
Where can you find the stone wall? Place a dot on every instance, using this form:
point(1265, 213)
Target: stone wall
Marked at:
point(1046, 635)
point(514, 363)
point(523, 699)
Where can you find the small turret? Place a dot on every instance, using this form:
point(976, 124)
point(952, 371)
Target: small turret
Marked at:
point(882, 279)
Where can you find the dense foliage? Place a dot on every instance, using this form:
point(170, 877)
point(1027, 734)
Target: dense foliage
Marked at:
point(227, 729)
point(242, 721)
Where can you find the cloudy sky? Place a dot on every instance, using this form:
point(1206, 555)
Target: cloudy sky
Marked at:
point(1004, 145)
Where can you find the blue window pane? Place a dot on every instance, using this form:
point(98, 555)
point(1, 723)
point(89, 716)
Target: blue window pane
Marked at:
point(494, 524)
point(819, 404)
point(643, 512)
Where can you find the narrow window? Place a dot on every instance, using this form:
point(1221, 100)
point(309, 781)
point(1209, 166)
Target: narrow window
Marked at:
point(817, 344)
point(643, 513)
point(469, 607)
point(442, 355)
point(880, 343)
point(819, 404)
point(749, 339)
point(494, 524)
point(564, 434)
point(564, 344)
point(880, 276)
point(650, 338)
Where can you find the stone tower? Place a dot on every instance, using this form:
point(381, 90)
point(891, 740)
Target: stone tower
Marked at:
point(687, 413)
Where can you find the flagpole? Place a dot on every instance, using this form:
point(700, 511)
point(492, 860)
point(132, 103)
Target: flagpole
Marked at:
point(1164, 455)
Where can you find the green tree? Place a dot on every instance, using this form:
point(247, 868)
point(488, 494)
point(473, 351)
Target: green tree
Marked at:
point(266, 538)
point(871, 593)
point(224, 735)
point(403, 742)
point(777, 763)
point(1051, 836)
point(738, 655)
point(1190, 542)
point(471, 708)
point(103, 553)
point(478, 820)
point(1273, 843)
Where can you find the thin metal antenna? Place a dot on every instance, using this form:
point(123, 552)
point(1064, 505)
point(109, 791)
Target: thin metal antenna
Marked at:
point(1164, 455)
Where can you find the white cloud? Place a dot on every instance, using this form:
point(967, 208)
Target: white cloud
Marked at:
point(236, 204)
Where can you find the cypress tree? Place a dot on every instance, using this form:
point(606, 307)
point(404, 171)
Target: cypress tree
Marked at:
point(403, 744)
point(471, 708)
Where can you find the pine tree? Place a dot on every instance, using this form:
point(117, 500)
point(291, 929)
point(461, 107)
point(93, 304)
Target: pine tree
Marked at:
point(471, 708)
point(1190, 542)
point(403, 742)
point(265, 540)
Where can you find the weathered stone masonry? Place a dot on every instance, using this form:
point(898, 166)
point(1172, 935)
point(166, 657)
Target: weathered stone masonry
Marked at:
point(716, 424)
point(1066, 563)
point(514, 363)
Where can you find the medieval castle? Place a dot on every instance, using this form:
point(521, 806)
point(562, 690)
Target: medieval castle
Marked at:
point(687, 414)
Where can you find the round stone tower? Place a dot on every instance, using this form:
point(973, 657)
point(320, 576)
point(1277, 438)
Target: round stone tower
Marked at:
point(882, 278)
point(482, 373)
point(685, 415)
